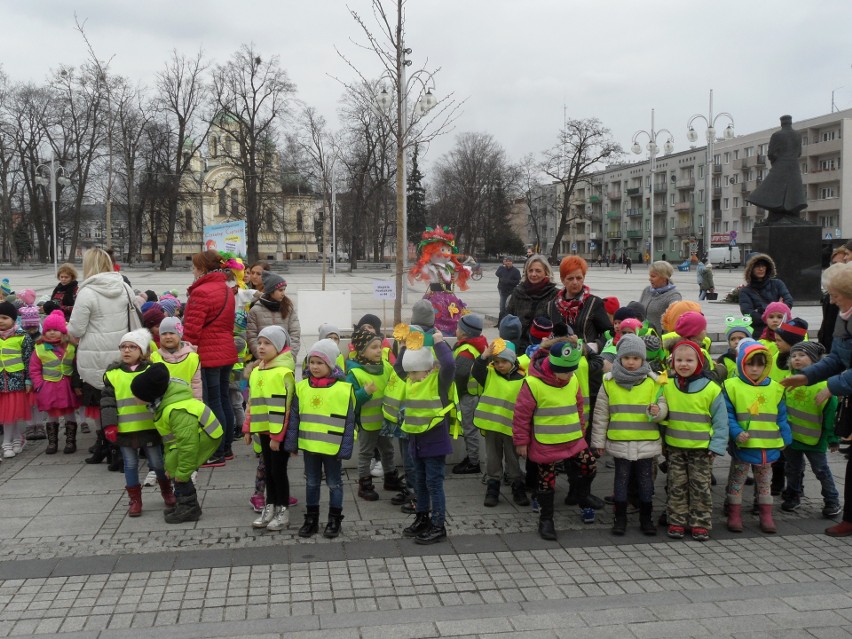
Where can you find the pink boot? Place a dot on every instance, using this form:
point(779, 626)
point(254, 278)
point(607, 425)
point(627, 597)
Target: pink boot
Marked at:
point(735, 517)
point(766, 523)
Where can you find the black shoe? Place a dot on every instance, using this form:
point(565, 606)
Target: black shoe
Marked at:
point(609, 499)
point(492, 493)
point(519, 494)
point(546, 529)
point(410, 507)
point(366, 490)
point(216, 461)
point(311, 525)
point(229, 454)
point(619, 524)
point(392, 481)
point(790, 504)
point(187, 509)
point(421, 523)
point(465, 467)
point(590, 501)
point(431, 536)
point(332, 528)
point(402, 497)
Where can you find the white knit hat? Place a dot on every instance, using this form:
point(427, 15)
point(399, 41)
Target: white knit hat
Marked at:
point(420, 359)
point(141, 337)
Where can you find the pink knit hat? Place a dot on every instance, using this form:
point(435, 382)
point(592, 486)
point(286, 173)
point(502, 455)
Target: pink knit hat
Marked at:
point(30, 317)
point(27, 296)
point(631, 324)
point(55, 322)
point(777, 307)
point(690, 324)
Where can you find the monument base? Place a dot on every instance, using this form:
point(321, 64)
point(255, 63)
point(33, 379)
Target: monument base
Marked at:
point(796, 250)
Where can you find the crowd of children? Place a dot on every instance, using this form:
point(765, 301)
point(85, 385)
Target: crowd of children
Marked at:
point(663, 405)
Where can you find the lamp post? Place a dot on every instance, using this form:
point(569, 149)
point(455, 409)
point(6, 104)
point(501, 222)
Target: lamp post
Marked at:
point(653, 149)
point(710, 121)
point(402, 128)
point(53, 169)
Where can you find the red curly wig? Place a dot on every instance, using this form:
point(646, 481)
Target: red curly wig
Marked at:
point(426, 254)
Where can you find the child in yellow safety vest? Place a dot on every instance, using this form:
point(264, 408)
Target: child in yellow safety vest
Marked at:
point(179, 357)
point(322, 426)
point(51, 368)
point(786, 336)
point(695, 433)
point(16, 347)
point(629, 408)
point(775, 314)
point(368, 373)
point(272, 386)
point(190, 432)
point(758, 431)
point(501, 382)
point(129, 422)
point(469, 346)
point(811, 411)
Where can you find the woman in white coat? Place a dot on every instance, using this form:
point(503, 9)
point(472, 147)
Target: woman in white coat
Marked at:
point(105, 310)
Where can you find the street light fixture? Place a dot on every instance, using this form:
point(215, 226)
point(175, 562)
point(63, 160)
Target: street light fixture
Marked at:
point(53, 169)
point(692, 135)
point(653, 149)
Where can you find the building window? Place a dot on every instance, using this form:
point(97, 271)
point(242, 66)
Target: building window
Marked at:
point(187, 217)
point(672, 199)
point(235, 203)
point(826, 193)
point(226, 143)
point(725, 224)
point(300, 220)
point(827, 136)
point(736, 202)
point(223, 203)
point(214, 146)
point(727, 157)
point(700, 196)
point(764, 148)
point(827, 165)
point(734, 225)
point(270, 221)
point(672, 222)
point(725, 203)
point(804, 168)
point(749, 151)
point(736, 154)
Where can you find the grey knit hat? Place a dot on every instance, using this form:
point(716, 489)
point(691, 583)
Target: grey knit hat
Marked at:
point(328, 329)
point(814, 350)
point(471, 325)
point(326, 350)
point(272, 282)
point(631, 344)
point(423, 314)
point(511, 328)
point(277, 335)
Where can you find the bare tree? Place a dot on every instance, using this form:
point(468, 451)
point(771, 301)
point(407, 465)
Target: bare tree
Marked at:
point(582, 146)
point(532, 192)
point(253, 94)
point(10, 170)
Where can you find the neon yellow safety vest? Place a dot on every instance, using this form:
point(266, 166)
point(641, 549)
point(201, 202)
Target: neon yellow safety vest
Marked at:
point(322, 416)
point(628, 419)
point(804, 414)
point(770, 345)
point(54, 369)
point(370, 412)
point(393, 397)
point(133, 414)
point(777, 373)
point(523, 363)
point(423, 407)
point(473, 387)
point(689, 424)
point(757, 409)
point(556, 419)
point(731, 366)
point(268, 399)
point(582, 375)
point(184, 369)
point(11, 357)
point(496, 405)
point(207, 421)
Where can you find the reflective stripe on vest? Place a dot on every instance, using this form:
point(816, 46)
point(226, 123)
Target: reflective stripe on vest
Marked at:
point(322, 416)
point(392, 400)
point(555, 420)
point(804, 414)
point(757, 411)
point(689, 424)
point(496, 405)
point(473, 387)
point(268, 399)
point(207, 422)
point(423, 407)
point(184, 369)
point(11, 357)
point(133, 414)
point(54, 369)
point(628, 419)
point(369, 414)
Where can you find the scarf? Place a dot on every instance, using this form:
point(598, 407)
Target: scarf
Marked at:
point(9, 333)
point(629, 379)
point(570, 308)
point(662, 289)
point(275, 307)
point(684, 382)
point(532, 289)
point(371, 367)
point(845, 315)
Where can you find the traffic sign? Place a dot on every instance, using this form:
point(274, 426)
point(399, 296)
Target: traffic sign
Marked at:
point(733, 235)
point(573, 246)
point(828, 236)
point(733, 243)
point(592, 246)
point(837, 233)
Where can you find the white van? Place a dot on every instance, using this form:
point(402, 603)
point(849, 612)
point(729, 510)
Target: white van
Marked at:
point(725, 256)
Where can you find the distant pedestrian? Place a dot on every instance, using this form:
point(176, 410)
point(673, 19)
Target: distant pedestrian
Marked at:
point(508, 278)
point(628, 264)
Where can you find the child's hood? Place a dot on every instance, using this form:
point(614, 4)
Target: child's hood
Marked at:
point(184, 349)
point(176, 392)
point(285, 359)
point(747, 349)
point(480, 342)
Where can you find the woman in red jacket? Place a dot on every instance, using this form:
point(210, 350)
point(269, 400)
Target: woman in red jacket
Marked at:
point(208, 323)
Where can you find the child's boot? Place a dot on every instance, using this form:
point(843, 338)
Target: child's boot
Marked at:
point(168, 494)
point(332, 528)
point(421, 523)
point(619, 524)
point(646, 520)
point(366, 490)
point(519, 493)
point(135, 493)
point(311, 525)
point(735, 517)
point(70, 438)
point(392, 481)
point(100, 451)
point(767, 525)
point(52, 439)
point(187, 507)
point(492, 493)
point(116, 461)
point(546, 529)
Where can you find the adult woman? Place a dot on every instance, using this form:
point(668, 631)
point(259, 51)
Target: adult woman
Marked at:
point(102, 313)
point(256, 272)
point(661, 292)
point(704, 275)
point(576, 306)
point(762, 288)
point(273, 308)
point(829, 309)
point(530, 297)
point(834, 368)
point(208, 322)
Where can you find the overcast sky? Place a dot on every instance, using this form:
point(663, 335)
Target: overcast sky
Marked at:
point(516, 62)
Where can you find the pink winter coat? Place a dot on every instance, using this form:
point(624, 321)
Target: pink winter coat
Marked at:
point(56, 396)
point(178, 356)
point(525, 406)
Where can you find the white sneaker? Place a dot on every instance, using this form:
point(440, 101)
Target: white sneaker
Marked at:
point(194, 477)
point(265, 517)
point(18, 445)
point(281, 519)
point(150, 479)
point(9, 452)
point(376, 469)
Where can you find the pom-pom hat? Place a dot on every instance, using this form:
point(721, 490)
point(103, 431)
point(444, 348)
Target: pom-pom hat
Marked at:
point(53, 322)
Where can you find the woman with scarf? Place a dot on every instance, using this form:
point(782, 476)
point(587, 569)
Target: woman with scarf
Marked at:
point(657, 297)
point(531, 297)
point(762, 288)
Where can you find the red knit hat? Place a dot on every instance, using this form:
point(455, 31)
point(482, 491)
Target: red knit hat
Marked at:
point(611, 304)
point(55, 322)
point(690, 324)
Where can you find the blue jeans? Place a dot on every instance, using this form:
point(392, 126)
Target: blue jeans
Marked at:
point(429, 487)
point(795, 471)
point(130, 456)
point(314, 464)
point(215, 382)
point(504, 298)
point(407, 463)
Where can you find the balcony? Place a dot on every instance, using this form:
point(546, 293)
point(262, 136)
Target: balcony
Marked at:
point(761, 160)
point(740, 164)
point(717, 192)
point(661, 210)
point(743, 211)
point(613, 215)
point(613, 235)
point(683, 206)
point(816, 176)
point(717, 215)
point(613, 195)
point(660, 232)
point(683, 231)
point(594, 199)
point(827, 204)
point(634, 191)
point(634, 212)
point(661, 187)
point(634, 233)
point(744, 187)
point(717, 169)
point(828, 146)
point(686, 183)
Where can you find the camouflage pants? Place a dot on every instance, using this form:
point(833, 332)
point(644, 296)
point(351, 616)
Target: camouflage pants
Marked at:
point(689, 502)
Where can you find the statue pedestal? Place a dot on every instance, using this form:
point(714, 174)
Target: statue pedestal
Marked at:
point(797, 251)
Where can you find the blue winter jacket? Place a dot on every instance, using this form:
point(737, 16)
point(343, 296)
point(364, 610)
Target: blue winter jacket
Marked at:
point(834, 367)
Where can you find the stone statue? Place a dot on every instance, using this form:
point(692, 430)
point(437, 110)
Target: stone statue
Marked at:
point(781, 192)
